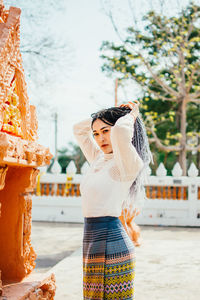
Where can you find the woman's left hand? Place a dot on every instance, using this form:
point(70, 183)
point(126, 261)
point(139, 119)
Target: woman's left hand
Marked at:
point(134, 106)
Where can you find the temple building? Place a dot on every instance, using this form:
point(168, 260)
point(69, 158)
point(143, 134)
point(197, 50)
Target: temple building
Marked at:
point(20, 156)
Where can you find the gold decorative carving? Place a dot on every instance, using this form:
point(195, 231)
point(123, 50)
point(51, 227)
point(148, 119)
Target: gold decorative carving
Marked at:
point(20, 155)
point(28, 252)
point(0, 285)
point(4, 145)
point(0, 270)
point(3, 171)
point(33, 179)
point(13, 147)
point(46, 291)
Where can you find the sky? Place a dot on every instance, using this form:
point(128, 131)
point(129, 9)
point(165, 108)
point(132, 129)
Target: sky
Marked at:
point(84, 89)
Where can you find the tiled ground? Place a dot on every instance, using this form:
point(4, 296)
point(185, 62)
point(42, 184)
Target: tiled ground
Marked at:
point(167, 263)
point(54, 241)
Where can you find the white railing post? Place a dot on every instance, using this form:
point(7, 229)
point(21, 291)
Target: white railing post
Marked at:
point(192, 198)
point(193, 193)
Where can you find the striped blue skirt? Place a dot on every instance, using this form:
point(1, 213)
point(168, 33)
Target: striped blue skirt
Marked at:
point(108, 260)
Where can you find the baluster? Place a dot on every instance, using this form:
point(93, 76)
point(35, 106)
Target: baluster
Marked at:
point(184, 193)
point(47, 189)
point(148, 191)
point(164, 195)
point(159, 192)
point(179, 193)
point(72, 190)
point(42, 188)
point(58, 189)
point(78, 189)
point(169, 192)
point(174, 193)
point(52, 189)
point(153, 192)
point(63, 190)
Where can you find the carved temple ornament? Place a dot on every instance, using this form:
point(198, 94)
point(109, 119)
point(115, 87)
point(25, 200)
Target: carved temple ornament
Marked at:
point(3, 170)
point(20, 155)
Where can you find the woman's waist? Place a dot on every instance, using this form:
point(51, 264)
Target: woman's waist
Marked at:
point(100, 219)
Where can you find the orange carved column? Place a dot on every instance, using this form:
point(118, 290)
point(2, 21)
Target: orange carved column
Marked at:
point(17, 256)
point(20, 155)
point(0, 270)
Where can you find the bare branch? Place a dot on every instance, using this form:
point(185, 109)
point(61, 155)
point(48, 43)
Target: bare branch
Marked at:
point(189, 148)
point(195, 133)
point(191, 77)
point(156, 139)
point(132, 12)
point(158, 80)
point(110, 16)
point(194, 100)
point(159, 144)
point(182, 63)
point(160, 96)
point(191, 27)
point(177, 76)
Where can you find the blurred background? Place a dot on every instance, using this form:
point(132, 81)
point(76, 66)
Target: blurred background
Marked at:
point(82, 56)
point(62, 44)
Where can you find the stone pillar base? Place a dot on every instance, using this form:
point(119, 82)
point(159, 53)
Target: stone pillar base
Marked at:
point(0, 285)
point(34, 287)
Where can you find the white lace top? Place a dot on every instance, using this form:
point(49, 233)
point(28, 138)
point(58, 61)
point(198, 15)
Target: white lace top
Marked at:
point(106, 184)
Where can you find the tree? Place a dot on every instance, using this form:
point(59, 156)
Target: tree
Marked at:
point(163, 58)
point(46, 51)
point(71, 152)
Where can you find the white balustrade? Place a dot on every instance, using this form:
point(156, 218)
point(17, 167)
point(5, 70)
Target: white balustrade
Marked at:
point(172, 200)
point(56, 168)
point(161, 171)
point(71, 168)
point(85, 167)
point(192, 171)
point(177, 170)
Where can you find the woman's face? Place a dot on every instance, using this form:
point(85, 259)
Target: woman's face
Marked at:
point(101, 133)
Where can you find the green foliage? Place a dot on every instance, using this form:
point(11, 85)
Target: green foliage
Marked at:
point(166, 41)
point(163, 59)
point(65, 155)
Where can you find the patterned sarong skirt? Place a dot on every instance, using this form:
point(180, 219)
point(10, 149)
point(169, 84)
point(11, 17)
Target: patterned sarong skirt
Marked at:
point(108, 260)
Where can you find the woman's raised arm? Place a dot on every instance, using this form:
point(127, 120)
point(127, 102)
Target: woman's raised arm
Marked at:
point(125, 154)
point(83, 134)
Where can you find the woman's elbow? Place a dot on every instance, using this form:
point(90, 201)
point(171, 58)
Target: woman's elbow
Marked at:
point(138, 166)
point(76, 129)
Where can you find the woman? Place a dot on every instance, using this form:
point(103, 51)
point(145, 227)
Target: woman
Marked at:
point(108, 187)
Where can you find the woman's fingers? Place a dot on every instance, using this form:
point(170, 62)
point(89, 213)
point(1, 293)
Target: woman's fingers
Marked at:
point(126, 105)
point(132, 105)
point(135, 102)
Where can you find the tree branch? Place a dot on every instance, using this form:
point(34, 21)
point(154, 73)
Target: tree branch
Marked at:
point(165, 87)
point(182, 63)
point(160, 96)
point(189, 148)
point(191, 78)
point(109, 14)
point(158, 141)
point(132, 12)
point(195, 97)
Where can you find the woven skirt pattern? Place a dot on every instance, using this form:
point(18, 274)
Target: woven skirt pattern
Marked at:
point(108, 260)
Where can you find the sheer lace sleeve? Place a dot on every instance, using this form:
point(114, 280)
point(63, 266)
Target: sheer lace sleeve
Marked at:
point(83, 134)
point(126, 157)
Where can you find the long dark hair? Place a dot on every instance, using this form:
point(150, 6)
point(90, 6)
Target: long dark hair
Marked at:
point(139, 141)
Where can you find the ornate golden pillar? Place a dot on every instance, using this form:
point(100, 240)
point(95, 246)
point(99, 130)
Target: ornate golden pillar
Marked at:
point(20, 155)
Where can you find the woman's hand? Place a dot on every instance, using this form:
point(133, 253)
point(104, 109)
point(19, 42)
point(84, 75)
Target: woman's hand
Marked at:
point(134, 106)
